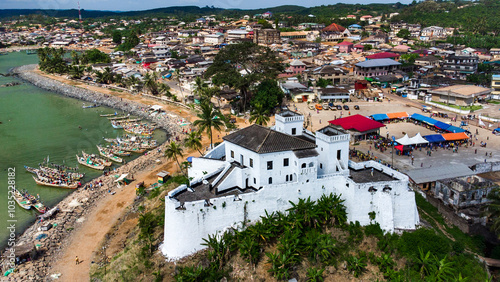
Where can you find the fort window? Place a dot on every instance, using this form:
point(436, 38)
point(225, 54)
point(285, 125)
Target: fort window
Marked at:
point(286, 178)
point(285, 162)
point(304, 165)
point(251, 162)
point(269, 165)
point(232, 154)
point(321, 166)
point(311, 164)
point(270, 180)
point(294, 131)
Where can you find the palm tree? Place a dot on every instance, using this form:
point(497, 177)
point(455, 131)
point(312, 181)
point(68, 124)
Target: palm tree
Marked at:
point(150, 83)
point(76, 71)
point(259, 115)
point(199, 85)
point(108, 75)
point(193, 141)
point(178, 77)
point(174, 151)
point(492, 210)
point(208, 118)
point(164, 89)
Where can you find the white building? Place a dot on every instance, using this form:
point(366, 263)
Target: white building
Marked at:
point(214, 38)
point(258, 169)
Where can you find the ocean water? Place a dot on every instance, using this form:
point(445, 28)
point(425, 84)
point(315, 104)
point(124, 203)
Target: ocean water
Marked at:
point(36, 124)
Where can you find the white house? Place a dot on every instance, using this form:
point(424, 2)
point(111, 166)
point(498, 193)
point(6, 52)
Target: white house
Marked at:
point(214, 38)
point(258, 169)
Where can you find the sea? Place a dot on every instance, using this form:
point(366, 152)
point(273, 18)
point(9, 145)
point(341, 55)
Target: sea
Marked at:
point(36, 125)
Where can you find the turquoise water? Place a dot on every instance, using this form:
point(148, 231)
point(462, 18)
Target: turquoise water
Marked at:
point(36, 124)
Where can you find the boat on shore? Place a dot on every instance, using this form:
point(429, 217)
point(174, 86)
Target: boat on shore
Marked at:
point(105, 152)
point(118, 151)
point(55, 183)
point(37, 204)
point(116, 125)
point(108, 115)
point(21, 200)
point(90, 106)
point(89, 163)
point(118, 118)
point(55, 172)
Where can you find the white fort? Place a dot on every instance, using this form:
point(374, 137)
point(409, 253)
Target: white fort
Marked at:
point(258, 169)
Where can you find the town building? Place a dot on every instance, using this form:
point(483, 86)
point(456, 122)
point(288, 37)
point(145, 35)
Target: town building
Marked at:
point(432, 33)
point(345, 46)
point(334, 32)
point(459, 66)
point(267, 36)
point(461, 95)
point(214, 39)
point(258, 170)
point(335, 74)
point(376, 67)
point(495, 86)
point(331, 93)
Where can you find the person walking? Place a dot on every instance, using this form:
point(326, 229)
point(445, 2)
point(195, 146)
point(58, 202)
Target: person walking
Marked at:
point(77, 260)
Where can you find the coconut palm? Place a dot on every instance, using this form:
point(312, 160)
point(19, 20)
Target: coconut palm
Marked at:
point(174, 152)
point(108, 75)
point(259, 115)
point(150, 83)
point(193, 141)
point(492, 210)
point(76, 71)
point(199, 85)
point(164, 89)
point(178, 77)
point(208, 118)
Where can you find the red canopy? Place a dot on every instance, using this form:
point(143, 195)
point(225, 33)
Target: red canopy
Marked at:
point(399, 147)
point(383, 55)
point(357, 122)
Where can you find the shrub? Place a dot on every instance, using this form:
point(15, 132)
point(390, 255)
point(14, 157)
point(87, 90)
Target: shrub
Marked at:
point(314, 274)
point(374, 230)
point(426, 239)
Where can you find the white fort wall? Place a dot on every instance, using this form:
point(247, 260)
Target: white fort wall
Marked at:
point(185, 228)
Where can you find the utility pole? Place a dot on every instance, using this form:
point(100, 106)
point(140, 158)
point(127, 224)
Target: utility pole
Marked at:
point(393, 140)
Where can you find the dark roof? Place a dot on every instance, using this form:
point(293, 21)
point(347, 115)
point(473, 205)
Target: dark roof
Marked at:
point(264, 140)
point(300, 154)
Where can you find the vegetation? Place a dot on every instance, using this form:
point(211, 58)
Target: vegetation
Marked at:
point(269, 95)
point(209, 118)
point(242, 65)
point(259, 115)
point(174, 152)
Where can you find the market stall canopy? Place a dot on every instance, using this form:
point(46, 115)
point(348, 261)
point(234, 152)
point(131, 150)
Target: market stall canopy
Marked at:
point(405, 140)
point(422, 118)
point(399, 147)
point(357, 122)
point(397, 115)
point(434, 138)
point(455, 136)
point(379, 117)
point(442, 125)
point(418, 139)
point(122, 177)
point(455, 129)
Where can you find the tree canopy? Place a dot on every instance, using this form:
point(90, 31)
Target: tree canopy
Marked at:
point(268, 94)
point(242, 65)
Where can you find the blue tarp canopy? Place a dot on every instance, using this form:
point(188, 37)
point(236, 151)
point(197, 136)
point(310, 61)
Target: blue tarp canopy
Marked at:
point(379, 117)
point(425, 119)
point(434, 138)
point(455, 129)
point(496, 129)
point(441, 125)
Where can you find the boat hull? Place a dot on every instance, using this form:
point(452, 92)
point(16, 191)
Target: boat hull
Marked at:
point(42, 183)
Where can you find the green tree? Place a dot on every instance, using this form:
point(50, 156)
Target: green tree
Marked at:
point(404, 33)
point(268, 94)
point(242, 65)
point(193, 141)
point(150, 83)
point(492, 211)
point(94, 56)
point(259, 115)
point(117, 37)
point(174, 152)
point(264, 23)
point(208, 118)
point(76, 71)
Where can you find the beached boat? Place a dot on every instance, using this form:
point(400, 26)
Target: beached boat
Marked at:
point(21, 200)
point(90, 106)
point(105, 152)
point(89, 163)
point(55, 172)
point(119, 152)
point(37, 204)
point(108, 115)
point(118, 118)
point(55, 183)
point(96, 159)
point(116, 125)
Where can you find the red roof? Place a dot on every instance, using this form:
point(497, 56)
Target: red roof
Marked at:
point(344, 43)
point(334, 28)
point(383, 55)
point(359, 46)
point(357, 122)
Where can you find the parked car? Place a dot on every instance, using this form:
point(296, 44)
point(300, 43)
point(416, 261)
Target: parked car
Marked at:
point(311, 107)
point(356, 107)
point(339, 107)
point(319, 107)
point(325, 106)
point(346, 107)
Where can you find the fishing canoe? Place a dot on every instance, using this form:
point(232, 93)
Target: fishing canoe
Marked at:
point(119, 152)
point(89, 163)
point(38, 181)
point(108, 115)
point(107, 154)
point(21, 200)
point(116, 125)
point(118, 118)
point(96, 159)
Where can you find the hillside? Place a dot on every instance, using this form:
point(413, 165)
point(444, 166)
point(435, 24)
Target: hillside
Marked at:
point(312, 241)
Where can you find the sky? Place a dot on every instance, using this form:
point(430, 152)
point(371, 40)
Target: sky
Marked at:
point(134, 5)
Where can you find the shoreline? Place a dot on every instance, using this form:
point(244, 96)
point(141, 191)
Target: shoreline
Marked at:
point(76, 206)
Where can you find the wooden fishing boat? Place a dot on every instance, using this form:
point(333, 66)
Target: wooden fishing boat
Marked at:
point(116, 125)
point(108, 115)
point(118, 118)
point(89, 163)
point(38, 181)
point(107, 154)
point(37, 204)
point(117, 150)
point(90, 106)
point(31, 169)
point(96, 159)
point(50, 170)
point(21, 200)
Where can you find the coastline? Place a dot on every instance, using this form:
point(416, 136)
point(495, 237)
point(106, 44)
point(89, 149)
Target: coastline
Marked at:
point(78, 205)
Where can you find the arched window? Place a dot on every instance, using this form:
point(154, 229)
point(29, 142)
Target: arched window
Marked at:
point(311, 164)
point(304, 165)
point(287, 178)
point(291, 177)
point(270, 180)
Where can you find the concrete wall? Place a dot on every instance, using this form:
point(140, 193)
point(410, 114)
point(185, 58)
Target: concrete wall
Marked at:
point(486, 167)
point(186, 228)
